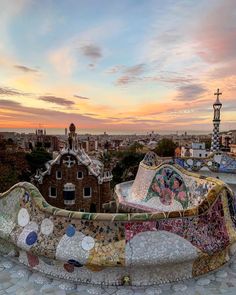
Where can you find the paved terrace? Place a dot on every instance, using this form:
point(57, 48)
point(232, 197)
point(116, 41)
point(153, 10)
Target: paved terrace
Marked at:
point(18, 280)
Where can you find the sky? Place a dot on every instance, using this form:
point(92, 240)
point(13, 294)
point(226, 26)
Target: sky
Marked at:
point(128, 65)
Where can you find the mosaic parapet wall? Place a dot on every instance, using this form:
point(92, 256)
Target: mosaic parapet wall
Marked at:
point(116, 249)
point(217, 162)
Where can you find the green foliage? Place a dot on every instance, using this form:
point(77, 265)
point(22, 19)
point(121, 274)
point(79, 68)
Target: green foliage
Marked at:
point(165, 148)
point(37, 158)
point(127, 167)
point(105, 158)
point(14, 168)
point(8, 177)
point(207, 144)
point(135, 147)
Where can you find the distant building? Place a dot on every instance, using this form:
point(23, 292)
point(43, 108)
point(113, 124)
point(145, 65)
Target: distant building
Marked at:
point(90, 145)
point(226, 140)
point(49, 142)
point(233, 149)
point(178, 152)
point(73, 180)
point(197, 150)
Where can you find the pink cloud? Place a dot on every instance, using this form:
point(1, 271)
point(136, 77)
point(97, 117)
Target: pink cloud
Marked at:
point(217, 33)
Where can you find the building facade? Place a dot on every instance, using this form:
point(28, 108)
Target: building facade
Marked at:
point(73, 180)
point(197, 150)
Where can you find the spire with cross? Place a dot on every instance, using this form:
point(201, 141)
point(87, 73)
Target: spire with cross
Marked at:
point(215, 144)
point(218, 93)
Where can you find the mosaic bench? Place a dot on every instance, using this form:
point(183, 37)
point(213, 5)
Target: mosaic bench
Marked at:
point(115, 249)
point(216, 162)
point(162, 187)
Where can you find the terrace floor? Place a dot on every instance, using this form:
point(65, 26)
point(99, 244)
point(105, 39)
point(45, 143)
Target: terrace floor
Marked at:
point(16, 279)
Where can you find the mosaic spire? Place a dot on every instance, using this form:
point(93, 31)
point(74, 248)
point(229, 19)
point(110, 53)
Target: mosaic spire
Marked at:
point(215, 144)
point(72, 137)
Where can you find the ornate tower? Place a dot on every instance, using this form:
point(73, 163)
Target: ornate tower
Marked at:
point(72, 138)
point(215, 144)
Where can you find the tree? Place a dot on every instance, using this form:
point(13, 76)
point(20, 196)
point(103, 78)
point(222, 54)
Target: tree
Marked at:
point(135, 147)
point(14, 168)
point(127, 167)
point(105, 158)
point(37, 158)
point(165, 148)
point(207, 143)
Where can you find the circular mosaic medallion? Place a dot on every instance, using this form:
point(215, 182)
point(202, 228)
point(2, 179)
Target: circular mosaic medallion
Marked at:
point(23, 217)
point(88, 243)
point(70, 231)
point(31, 238)
point(198, 164)
point(47, 227)
point(190, 162)
point(209, 163)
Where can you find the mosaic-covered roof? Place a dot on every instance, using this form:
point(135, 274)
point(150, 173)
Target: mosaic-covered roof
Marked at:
point(95, 167)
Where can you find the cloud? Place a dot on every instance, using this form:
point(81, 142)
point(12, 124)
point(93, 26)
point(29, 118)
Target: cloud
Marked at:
point(90, 114)
point(222, 71)
point(169, 37)
point(135, 70)
point(50, 115)
point(25, 69)
point(63, 60)
point(91, 66)
point(216, 33)
point(179, 80)
point(4, 103)
point(91, 51)
point(115, 69)
point(80, 97)
point(190, 92)
point(124, 80)
point(10, 91)
point(57, 100)
point(129, 74)
point(146, 121)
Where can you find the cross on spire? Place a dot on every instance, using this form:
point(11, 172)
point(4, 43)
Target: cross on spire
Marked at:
point(218, 93)
point(69, 162)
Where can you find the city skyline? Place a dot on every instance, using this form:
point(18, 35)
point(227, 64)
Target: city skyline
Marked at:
point(132, 65)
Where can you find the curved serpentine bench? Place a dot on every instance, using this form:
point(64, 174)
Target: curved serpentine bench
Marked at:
point(216, 162)
point(123, 248)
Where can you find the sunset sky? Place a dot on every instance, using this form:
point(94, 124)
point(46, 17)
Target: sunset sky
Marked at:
point(128, 65)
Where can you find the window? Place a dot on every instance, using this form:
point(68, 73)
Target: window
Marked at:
point(200, 155)
point(52, 192)
point(80, 175)
point(87, 192)
point(58, 174)
point(81, 210)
